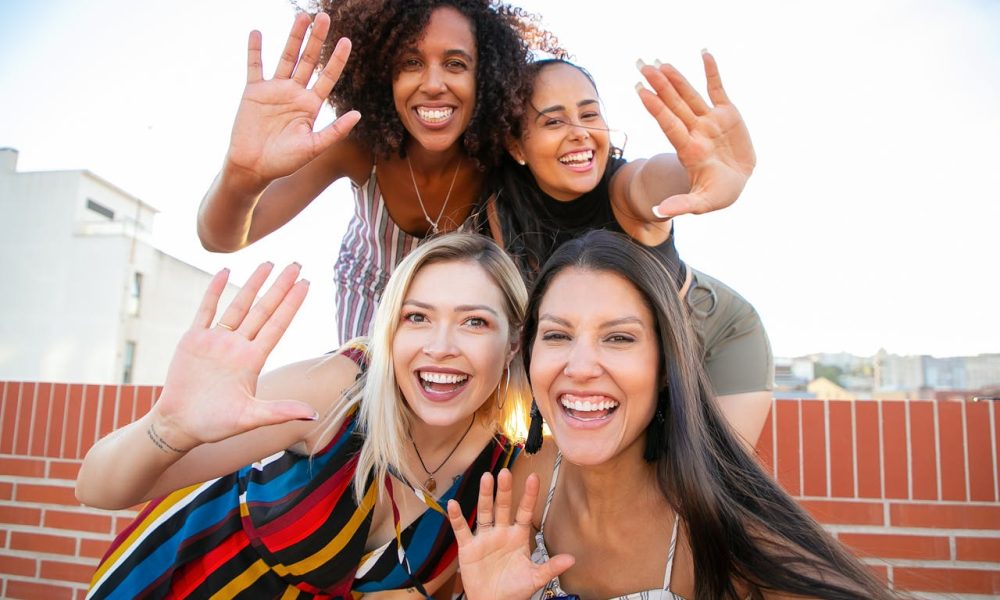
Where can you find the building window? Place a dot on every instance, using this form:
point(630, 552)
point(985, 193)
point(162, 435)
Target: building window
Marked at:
point(135, 294)
point(128, 364)
point(100, 209)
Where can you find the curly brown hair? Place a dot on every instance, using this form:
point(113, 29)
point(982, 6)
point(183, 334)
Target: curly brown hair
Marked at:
point(380, 30)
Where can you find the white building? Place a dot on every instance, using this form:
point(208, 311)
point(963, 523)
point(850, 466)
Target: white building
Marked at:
point(86, 298)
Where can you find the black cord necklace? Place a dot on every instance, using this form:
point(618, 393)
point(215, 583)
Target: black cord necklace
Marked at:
point(431, 484)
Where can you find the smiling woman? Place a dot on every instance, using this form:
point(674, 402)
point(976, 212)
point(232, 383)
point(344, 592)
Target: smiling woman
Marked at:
point(328, 509)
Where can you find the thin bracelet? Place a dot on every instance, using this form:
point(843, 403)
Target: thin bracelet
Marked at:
point(160, 442)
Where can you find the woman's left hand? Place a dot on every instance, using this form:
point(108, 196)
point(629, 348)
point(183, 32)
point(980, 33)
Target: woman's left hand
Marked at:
point(712, 142)
point(495, 562)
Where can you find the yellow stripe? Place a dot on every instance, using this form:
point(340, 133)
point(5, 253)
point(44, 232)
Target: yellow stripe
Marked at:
point(242, 582)
point(337, 544)
point(169, 502)
point(291, 593)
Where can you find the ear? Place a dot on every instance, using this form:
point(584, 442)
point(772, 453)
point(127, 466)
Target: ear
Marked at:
point(516, 150)
point(515, 345)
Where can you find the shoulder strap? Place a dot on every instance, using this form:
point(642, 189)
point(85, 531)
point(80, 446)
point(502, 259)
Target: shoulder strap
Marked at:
point(670, 554)
point(552, 489)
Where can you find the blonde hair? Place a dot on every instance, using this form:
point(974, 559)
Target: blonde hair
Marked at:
point(382, 415)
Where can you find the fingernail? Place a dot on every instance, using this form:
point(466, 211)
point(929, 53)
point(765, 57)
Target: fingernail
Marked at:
point(659, 215)
point(314, 417)
point(297, 264)
point(657, 63)
point(639, 64)
point(639, 87)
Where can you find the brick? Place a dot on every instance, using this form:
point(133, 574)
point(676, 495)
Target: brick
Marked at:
point(916, 547)
point(813, 448)
point(109, 410)
point(978, 452)
point(8, 416)
point(18, 565)
point(78, 521)
point(786, 453)
point(765, 444)
point(40, 419)
point(954, 581)
point(90, 548)
point(25, 406)
point(880, 571)
point(845, 512)
point(29, 590)
point(20, 515)
point(53, 570)
point(72, 422)
point(46, 494)
point(923, 451)
point(945, 516)
point(950, 425)
point(3, 539)
point(64, 469)
point(145, 397)
point(41, 542)
point(57, 421)
point(126, 406)
point(6, 490)
point(977, 549)
point(88, 420)
point(867, 444)
point(895, 451)
point(841, 450)
point(22, 467)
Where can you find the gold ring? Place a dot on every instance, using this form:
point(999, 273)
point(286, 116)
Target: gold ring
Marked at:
point(219, 323)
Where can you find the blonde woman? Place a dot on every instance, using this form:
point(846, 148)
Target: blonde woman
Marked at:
point(351, 456)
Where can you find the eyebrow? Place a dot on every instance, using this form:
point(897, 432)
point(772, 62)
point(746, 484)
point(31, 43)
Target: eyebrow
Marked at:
point(458, 309)
point(448, 53)
point(560, 107)
point(605, 325)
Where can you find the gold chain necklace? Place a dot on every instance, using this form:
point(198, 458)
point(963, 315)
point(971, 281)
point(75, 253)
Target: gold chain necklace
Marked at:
point(431, 484)
point(434, 223)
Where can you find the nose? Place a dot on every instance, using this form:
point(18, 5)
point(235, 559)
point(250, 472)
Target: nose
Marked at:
point(433, 80)
point(440, 343)
point(578, 131)
point(582, 362)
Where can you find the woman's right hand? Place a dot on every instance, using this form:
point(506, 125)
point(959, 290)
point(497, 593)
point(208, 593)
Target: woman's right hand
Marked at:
point(273, 132)
point(209, 392)
point(495, 562)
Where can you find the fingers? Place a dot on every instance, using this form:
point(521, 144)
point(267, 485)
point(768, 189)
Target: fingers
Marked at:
point(255, 69)
point(233, 317)
point(310, 56)
point(278, 322)
point(290, 55)
point(334, 67)
point(526, 508)
point(210, 302)
point(338, 130)
point(505, 492)
point(262, 310)
point(552, 568)
point(675, 129)
point(716, 93)
point(686, 91)
point(484, 507)
point(664, 89)
point(458, 523)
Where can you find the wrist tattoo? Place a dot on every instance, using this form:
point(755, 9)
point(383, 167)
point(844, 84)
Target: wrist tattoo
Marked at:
point(160, 442)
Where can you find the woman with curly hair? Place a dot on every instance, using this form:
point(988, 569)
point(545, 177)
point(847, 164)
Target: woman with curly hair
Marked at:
point(436, 83)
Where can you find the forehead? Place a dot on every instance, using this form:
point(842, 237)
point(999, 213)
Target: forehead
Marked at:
point(447, 29)
point(561, 84)
point(581, 294)
point(456, 283)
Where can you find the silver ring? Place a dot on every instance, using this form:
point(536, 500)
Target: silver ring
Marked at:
point(484, 525)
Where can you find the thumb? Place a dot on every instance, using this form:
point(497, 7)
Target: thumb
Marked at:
point(338, 130)
point(273, 412)
point(552, 568)
point(678, 204)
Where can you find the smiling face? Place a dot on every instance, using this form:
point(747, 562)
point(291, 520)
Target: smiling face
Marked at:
point(564, 139)
point(594, 365)
point(435, 83)
point(452, 343)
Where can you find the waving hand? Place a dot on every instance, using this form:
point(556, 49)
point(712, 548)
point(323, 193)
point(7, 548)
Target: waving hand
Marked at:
point(712, 141)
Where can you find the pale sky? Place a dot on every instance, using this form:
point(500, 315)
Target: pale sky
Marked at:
point(870, 221)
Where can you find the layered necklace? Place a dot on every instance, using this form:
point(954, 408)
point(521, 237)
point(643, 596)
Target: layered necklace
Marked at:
point(430, 484)
point(423, 209)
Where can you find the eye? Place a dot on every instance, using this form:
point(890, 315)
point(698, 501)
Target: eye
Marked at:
point(456, 65)
point(477, 322)
point(553, 123)
point(409, 64)
point(590, 116)
point(415, 317)
point(620, 338)
point(554, 336)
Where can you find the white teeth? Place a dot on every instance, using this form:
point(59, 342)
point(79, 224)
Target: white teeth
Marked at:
point(434, 115)
point(433, 377)
point(577, 157)
point(579, 405)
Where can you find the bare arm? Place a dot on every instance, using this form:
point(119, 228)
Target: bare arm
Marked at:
point(746, 414)
point(212, 417)
point(273, 138)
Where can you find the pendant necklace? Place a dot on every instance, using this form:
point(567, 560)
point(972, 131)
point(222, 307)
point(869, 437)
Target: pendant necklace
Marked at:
point(427, 217)
point(431, 484)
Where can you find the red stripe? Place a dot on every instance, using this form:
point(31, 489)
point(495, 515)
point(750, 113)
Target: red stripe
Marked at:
point(194, 573)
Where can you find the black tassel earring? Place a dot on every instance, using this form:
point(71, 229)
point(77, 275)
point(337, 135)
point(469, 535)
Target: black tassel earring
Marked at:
point(534, 442)
point(656, 432)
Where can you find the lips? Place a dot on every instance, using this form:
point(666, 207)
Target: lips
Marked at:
point(436, 115)
point(441, 386)
point(588, 408)
point(578, 160)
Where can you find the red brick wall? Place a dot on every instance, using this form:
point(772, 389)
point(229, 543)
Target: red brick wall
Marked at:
point(911, 485)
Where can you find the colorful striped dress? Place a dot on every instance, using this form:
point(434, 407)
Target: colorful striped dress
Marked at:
point(286, 527)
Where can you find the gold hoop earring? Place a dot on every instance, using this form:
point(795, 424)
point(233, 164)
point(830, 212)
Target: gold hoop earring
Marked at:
point(502, 399)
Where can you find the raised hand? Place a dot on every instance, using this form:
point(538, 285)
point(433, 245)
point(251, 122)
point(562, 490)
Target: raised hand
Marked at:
point(209, 393)
point(273, 133)
point(712, 142)
point(495, 562)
